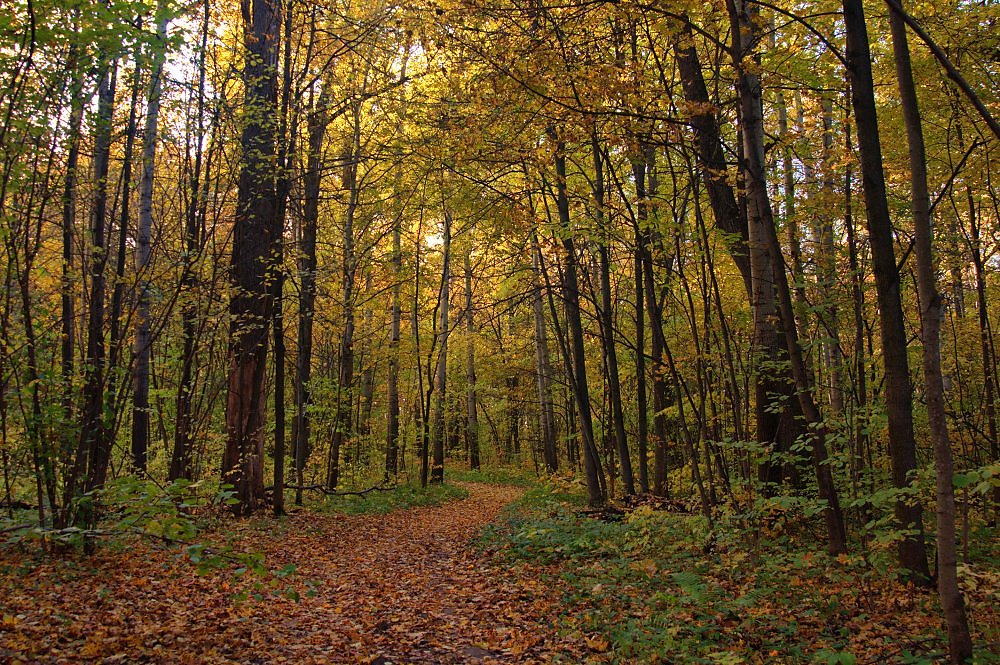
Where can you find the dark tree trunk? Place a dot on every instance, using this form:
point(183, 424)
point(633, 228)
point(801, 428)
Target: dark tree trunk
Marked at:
point(472, 425)
point(253, 244)
point(143, 338)
point(607, 326)
point(441, 382)
point(764, 241)
point(543, 367)
point(642, 409)
point(574, 324)
point(194, 219)
point(345, 374)
point(730, 218)
point(312, 180)
point(286, 150)
point(898, 391)
point(94, 454)
point(959, 639)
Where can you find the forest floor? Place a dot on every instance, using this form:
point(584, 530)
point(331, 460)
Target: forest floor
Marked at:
point(402, 587)
point(492, 574)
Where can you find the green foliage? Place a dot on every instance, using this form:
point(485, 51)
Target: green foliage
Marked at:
point(661, 586)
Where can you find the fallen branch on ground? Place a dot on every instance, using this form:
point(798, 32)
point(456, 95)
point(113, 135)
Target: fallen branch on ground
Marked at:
point(328, 492)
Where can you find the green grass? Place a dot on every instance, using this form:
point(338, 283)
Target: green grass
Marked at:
point(397, 498)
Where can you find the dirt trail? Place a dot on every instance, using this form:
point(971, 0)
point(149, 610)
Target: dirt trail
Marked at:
point(398, 588)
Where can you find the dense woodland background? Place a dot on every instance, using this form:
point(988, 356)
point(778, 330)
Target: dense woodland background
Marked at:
point(742, 255)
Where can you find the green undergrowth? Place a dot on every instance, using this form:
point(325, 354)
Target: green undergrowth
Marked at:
point(400, 497)
point(661, 587)
point(494, 476)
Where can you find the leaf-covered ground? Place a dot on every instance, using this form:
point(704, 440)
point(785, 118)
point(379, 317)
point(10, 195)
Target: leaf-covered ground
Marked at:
point(403, 587)
point(469, 582)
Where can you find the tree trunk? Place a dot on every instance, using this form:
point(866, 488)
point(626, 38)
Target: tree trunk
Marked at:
point(286, 149)
point(543, 366)
point(898, 391)
point(306, 266)
point(959, 640)
point(642, 409)
point(345, 375)
point(251, 302)
point(764, 241)
point(607, 325)
point(180, 460)
point(94, 454)
point(571, 297)
point(143, 339)
point(441, 382)
point(472, 425)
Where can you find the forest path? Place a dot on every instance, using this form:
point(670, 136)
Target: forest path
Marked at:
point(403, 587)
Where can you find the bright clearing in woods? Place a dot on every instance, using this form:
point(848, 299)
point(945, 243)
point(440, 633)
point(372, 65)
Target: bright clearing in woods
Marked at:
point(499, 331)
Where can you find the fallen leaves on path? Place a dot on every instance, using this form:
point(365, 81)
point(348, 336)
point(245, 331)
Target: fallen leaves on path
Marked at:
point(399, 588)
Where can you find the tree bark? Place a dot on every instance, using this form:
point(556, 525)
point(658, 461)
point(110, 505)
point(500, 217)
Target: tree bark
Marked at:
point(251, 302)
point(306, 266)
point(959, 639)
point(607, 325)
point(441, 382)
point(571, 297)
point(472, 424)
point(764, 244)
point(543, 366)
point(143, 339)
point(898, 391)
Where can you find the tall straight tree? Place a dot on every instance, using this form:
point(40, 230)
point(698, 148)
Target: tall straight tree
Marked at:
point(607, 322)
point(194, 221)
point(472, 423)
point(898, 390)
point(94, 452)
point(959, 640)
point(250, 302)
point(143, 339)
point(441, 382)
point(316, 121)
point(577, 351)
point(345, 373)
point(543, 366)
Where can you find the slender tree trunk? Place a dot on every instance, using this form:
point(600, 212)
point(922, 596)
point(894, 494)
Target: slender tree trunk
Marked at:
point(607, 326)
point(68, 281)
point(898, 391)
point(286, 150)
point(143, 339)
point(118, 288)
point(827, 266)
point(312, 181)
point(959, 639)
point(730, 218)
point(180, 460)
point(345, 375)
point(392, 385)
point(472, 426)
point(94, 453)
point(642, 408)
point(543, 366)
point(441, 382)
point(571, 296)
